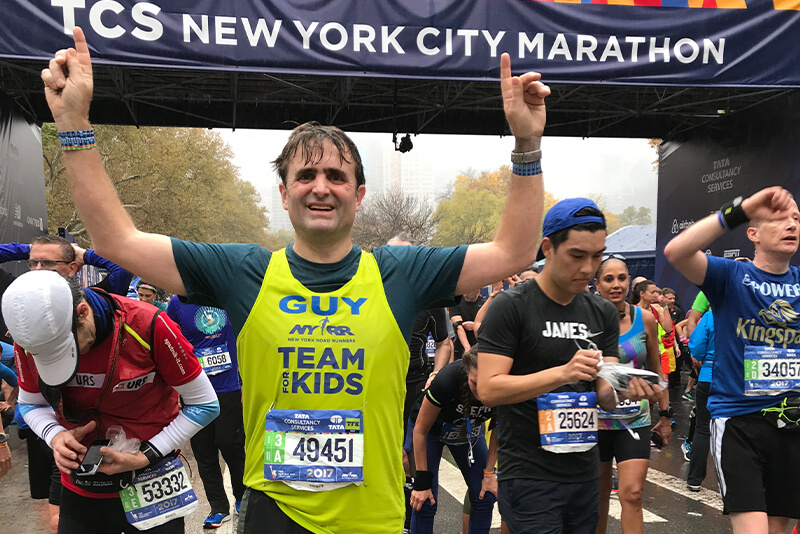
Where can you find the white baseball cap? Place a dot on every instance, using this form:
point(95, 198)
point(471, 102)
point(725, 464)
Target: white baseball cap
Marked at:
point(38, 311)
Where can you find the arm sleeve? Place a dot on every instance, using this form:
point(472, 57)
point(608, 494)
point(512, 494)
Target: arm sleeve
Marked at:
point(8, 375)
point(698, 342)
point(200, 408)
point(14, 251)
point(439, 326)
point(119, 279)
point(501, 327)
point(39, 416)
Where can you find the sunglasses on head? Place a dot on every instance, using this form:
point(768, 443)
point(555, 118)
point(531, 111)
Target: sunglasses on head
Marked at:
point(613, 256)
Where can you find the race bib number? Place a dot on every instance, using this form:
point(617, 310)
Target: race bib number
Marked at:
point(159, 495)
point(567, 421)
point(626, 409)
point(453, 434)
point(322, 447)
point(769, 371)
point(214, 360)
point(430, 347)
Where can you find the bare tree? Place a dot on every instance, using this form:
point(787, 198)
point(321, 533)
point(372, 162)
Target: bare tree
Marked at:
point(388, 213)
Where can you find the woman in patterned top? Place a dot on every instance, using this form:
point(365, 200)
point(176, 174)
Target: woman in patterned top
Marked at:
point(625, 431)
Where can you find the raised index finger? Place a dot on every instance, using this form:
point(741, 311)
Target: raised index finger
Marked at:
point(82, 48)
point(505, 75)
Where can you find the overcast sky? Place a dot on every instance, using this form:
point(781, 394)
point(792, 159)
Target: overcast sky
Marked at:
point(619, 169)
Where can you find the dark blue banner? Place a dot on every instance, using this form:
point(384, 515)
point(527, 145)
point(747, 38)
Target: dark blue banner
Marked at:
point(652, 42)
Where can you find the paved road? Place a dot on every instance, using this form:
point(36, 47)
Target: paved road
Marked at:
point(669, 507)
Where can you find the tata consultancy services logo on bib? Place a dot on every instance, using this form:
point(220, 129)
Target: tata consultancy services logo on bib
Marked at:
point(210, 320)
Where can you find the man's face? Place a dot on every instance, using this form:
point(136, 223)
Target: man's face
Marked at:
point(322, 198)
point(146, 295)
point(779, 235)
point(87, 331)
point(668, 299)
point(44, 252)
point(574, 263)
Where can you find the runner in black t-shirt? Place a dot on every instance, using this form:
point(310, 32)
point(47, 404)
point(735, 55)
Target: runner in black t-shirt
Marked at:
point(548, 335)
point(463, 318)
point(451, 414)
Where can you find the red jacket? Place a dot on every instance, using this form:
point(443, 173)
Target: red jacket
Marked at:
point(123, 381)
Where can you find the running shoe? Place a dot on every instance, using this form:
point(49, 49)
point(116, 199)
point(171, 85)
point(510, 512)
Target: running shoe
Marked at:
point(686, 447)
point(237, 505)
point(215, 520)
point(688, 396)
point(693, 488)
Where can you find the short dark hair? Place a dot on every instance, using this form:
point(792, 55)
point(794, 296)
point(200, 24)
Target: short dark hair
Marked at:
point(557, 238)
point(67, 252)
point(667, 291)
point(310, 139)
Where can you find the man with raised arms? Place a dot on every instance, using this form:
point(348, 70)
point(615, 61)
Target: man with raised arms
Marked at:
point(755, 435)
point(321, 325)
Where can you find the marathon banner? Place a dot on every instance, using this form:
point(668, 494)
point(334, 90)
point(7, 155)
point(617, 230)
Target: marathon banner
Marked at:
point(695, 178)
point(23, 202)
point(647, 42)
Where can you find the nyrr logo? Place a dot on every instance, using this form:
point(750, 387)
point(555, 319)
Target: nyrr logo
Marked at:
point(321, 329)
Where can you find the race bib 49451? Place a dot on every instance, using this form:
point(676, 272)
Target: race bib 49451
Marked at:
point(316, 446)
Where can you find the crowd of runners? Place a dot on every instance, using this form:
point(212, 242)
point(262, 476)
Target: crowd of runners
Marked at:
point(304, 367)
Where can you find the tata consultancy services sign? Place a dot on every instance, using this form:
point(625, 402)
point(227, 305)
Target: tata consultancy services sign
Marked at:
point(666, 42)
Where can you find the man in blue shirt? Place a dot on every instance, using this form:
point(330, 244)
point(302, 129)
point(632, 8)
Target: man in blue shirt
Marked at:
point(757, 455)
point(210, 332)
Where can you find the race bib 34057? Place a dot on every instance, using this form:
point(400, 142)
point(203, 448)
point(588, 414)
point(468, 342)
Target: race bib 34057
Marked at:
point(771, 370)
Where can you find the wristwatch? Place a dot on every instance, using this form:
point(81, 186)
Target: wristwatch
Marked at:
point(153, 456)
point(3, 438)
point(669, 412)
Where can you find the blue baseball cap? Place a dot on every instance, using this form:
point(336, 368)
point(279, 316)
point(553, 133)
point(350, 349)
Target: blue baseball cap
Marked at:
point(565, 215)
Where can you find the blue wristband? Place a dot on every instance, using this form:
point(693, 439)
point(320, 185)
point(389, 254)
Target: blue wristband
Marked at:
point(77, 140)
point(721, 219)
point(527, 169)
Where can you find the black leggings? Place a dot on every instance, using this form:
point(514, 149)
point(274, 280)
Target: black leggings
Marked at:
point(84, 515)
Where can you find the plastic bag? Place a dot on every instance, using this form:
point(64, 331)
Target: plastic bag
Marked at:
point(120, 442)
point(619, 374)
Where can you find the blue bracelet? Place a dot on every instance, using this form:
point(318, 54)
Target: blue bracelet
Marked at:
point(77, 140)
point(721, 219)
point(527, 169)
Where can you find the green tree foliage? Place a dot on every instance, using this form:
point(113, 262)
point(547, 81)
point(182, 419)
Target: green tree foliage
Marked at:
point(472, 213)
point(174, 181)
point(632, 215)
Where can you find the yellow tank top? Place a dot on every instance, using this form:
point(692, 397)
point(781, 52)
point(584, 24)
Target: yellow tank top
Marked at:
point(314, 353)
